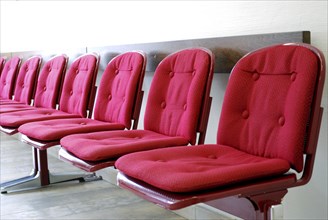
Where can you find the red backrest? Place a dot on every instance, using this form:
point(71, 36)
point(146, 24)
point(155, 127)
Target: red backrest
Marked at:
point(2, 63)
point(118, 88)
point(26, 80)
point(49, 82)
point(78, 84)
point(8, 77)
point(267, 104)
point(178, 88)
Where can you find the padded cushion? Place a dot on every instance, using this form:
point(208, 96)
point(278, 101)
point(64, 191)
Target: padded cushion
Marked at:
point(267, 103)
point(16, 119)
point(117, 89)
point(107, 145)
point(77, 85)
point(49, 80)
point(193, 168)
point(26, 80)
point(176, 94)
point(14, 107)
point(52, 130)
point(8, 77)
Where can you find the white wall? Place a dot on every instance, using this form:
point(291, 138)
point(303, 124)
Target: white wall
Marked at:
point(41, 25)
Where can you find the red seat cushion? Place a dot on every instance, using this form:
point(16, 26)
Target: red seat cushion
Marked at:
point(107, 145)
point(16, 119)
point(186, 169)
point(14, 107)
point(52, 130)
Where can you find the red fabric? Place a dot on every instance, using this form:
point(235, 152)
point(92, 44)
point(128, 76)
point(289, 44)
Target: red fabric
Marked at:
point(48, 87)
point(193, 168)
point(107, 145)
point(267, 103)
point(119, 82)
point(176, 93)
point(49, 80)
point(14, 107)
point(8, 77)
point(26, 80)
point(2, 63)
point(16, 119)
point(77, 85)
point(117, 89)
point(52, 130)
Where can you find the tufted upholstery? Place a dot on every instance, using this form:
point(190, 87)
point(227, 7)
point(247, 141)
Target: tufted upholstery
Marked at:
point(120, 81)
point(25, 82)
point(176, 93)
point(172, 113)
point(48, 86)
point(199, 167)
point(267, 103)
point(8, 77)
point(98, 146)
point(75, 83)
point(261, 130)
point(49, 80)
point(118, 87)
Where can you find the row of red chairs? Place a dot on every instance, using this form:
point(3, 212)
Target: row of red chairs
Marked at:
point(269, 125)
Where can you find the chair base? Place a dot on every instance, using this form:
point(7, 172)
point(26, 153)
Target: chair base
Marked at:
point(34, 181)
point(9, 131)
point(40, 175)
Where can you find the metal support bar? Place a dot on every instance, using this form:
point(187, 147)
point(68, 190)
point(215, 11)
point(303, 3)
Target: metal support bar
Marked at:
point(40, 175)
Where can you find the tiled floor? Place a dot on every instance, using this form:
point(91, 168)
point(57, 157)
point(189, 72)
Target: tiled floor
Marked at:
point(71, 200)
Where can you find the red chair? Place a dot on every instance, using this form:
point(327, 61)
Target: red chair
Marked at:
point(8, 77)
point(118, 104)
point(2, 63)
point(25, 82)
point(177, 107)
point(76, 94)
point(119, 97)
point(47, 88)
point(78, 84)
point(270, 120)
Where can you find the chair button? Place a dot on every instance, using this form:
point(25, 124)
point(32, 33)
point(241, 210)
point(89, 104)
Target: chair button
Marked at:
point(245, 114)
point(171, 74)
point(163, 104)
point(77, 71)
point(71, 92)
point(82, 123)
point(281, 120)
point(110, 97)
point(185, 107)
point(293, 77)
point(256, 76)
point(44, 88)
